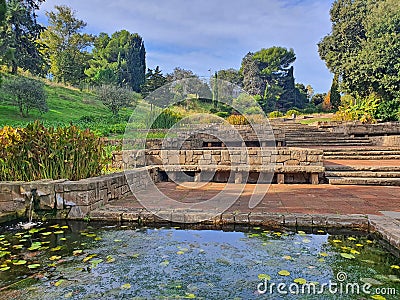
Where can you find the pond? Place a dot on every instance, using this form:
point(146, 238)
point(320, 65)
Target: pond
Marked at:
point(79, 261)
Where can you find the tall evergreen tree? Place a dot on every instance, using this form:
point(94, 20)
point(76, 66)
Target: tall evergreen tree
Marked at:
point(334, 92)
point(119, 59)
point(18, 36)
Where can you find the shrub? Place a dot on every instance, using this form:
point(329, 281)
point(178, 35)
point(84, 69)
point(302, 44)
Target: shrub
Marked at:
point(237, 120)
point(222, 114)
point(292, 112)
point(115, 97)
point(388, 110)
point(166, 119)
point(275, 114)
point(26, 94)
point(361, 109)
point(36, 152)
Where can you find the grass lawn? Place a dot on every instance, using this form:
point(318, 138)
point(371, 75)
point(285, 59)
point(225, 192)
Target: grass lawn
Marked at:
point(314, 120)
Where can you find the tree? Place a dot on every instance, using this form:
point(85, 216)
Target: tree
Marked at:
point(334, 93)
point(119, 59)
point(115, 97)
point(66, 47)
point(18, 36)
point(268, 74)
point(3, 9)
point(26, 94)
point(318, 98)
point(363, 47)
point(154, 80)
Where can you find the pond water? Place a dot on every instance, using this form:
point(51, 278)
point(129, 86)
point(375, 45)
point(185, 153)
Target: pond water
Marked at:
point(78, 261)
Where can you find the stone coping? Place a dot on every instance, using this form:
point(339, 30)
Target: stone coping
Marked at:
point(385, 227)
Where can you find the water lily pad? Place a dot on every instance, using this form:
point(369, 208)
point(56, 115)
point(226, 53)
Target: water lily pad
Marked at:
point(300, 281)
point(359, 245)
point(284, 273)
point(287, 257)
point(117, 241)
point(323, 254)
point(97, 238)
point(63, 239)
point(4, 269)
point(378, 297)
point(180, 252)
point(77, 252)
point(54, 226)
point(18, 246)
point(46, 233)
point(59, 232)
point(395, 267)
point(347, 255)
point(33, 266)
point(164, 263)
point(4, 253)
point(89, 257)
point(190, 296)
point(256, 228)
point(64, 227)
point(135, 255)
point(54, 257)
point(126, 286)
point(306, 241)
point(110, 259)
point(95, 262)
point(353, 251)
point(350, 238)
point(19, 262)
point(58, 283)
point(68, 295)
point(91, 235)
point(393, 278)
point(368, 261)
point(336, 241)
point(264, 276)
point(320, 231)
point(371, 281)
point(58, 248)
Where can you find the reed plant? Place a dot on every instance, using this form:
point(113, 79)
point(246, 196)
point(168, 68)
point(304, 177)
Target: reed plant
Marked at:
point(38, 152)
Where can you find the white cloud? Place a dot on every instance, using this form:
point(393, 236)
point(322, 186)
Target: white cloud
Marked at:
point(200, 35)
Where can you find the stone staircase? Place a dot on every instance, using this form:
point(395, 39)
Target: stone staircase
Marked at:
point(299, 135)
point(363, 166)
point(362, 153)
point(363, 175)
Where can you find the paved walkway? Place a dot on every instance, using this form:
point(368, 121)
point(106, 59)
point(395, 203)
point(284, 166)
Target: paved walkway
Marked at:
point(286, 198)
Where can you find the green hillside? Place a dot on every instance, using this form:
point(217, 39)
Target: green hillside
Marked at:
point(69, 105)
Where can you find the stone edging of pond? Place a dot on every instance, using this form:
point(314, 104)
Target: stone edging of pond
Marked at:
point(385, 227)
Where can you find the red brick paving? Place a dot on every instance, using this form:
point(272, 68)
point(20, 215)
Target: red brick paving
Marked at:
point(293, 198)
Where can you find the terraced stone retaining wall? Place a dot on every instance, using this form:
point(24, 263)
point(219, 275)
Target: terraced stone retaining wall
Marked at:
point(73, 199)
point(291, 165)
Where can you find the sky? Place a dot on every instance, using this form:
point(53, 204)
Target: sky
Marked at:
point(203, 35)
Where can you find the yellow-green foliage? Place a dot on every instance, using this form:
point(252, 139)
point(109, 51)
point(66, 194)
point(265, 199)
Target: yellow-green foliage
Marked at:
point(36, 152)
point(358, 109)
point(275, 114)
point(237, 120)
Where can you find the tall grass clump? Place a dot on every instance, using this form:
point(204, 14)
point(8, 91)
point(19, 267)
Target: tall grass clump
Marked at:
point(36, 152)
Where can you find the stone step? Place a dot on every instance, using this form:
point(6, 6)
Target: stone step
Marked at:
point(362, 157)
point(364, 181)
point(321, 144)
point(343, 168)
point(357, 152)
point(363, 174)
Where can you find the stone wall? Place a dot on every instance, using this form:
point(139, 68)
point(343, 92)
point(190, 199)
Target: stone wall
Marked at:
point(74, 199)
point(252, 157)
point(386, 141)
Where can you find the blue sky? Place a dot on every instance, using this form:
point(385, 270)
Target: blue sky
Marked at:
point(206, 34)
